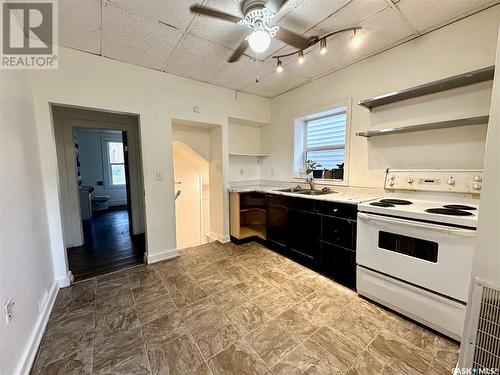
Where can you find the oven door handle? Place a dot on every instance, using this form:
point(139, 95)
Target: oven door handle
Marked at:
point(407, 223)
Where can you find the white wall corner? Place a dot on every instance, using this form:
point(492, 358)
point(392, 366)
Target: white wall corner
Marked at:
point(35, 339)
point(65, 281)
point(158, 257)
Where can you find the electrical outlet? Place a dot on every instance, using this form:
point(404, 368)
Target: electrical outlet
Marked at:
point(241, 172)
point(9, 310)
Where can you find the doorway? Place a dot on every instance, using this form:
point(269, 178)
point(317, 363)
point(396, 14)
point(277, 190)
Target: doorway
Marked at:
point(101, 184)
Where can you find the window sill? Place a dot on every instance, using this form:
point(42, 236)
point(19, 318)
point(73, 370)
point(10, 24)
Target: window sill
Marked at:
point(322, 181)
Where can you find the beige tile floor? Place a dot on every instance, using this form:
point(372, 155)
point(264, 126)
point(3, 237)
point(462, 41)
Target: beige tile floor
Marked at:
point(226, 309)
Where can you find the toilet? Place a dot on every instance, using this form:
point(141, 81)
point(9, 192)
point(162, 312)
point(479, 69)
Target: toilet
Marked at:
point(100, 202)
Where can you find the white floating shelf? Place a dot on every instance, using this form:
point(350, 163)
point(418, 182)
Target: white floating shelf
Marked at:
point(480, 120)
point(243, 154)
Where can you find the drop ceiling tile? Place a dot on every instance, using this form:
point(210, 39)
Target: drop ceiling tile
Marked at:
point(242, 73)
point(309, 13)
point(197, 58)
point(80, 25)
point(136, 40)
point(426, 15)
point(275, 83)
point(352, 14)
point(172, 12)
point(218, 31)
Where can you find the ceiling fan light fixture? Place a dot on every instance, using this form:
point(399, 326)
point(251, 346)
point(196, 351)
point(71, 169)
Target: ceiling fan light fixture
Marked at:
point(279, 66)
point(355, 39)
point(259, 40)
point(322, 46)
point(301, 57)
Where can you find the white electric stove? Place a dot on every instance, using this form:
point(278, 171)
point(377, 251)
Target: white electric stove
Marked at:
point(415, 246)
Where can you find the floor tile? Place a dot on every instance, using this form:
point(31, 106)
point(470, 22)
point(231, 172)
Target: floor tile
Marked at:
point(170, 267)
point(367, 364)
point(229, 298)
point(114, 303)
point(238, 274)
point(144, 279)
point(300, 326)
point(210, 328)
point(359, 328)
point(402, 355)
point(320, 307)
point(298, 288)
point(302, 361)
point(184, 289)
point(154, 308)
point(271, 342)
point(446, 350)
point(79, 363)
point(57, 347)
point(119, 321)
point(254, 286)
point(440, 368)
point(334, 349)
point(121, 348)
point(147, 292)
point(157, 332)
point(274, 301)
point(176, 356)
point(73, 322)
point(247, 317)
point(275, 277)
point(74, 297)
point(238, 358)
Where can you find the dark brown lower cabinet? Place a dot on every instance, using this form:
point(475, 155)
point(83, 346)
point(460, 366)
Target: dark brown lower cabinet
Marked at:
point(321, 234)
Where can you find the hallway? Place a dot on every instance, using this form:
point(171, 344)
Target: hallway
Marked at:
point(108, 246)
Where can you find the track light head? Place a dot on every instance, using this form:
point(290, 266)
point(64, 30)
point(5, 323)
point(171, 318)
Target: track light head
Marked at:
point(279, 66)
point(322, 46)
point(301, 57)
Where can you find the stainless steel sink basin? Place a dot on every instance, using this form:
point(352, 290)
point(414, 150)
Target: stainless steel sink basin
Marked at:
point(314, 192)
point(297, 189)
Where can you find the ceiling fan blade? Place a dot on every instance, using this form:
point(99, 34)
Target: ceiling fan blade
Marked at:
point(275, 5)
point(238, 52)
point(291, 38)
point(214, 13)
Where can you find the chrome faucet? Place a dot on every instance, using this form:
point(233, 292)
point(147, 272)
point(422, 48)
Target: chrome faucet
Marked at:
point(310, 180)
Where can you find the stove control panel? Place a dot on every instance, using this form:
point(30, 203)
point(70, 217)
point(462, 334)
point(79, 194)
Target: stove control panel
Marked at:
point(444, 180)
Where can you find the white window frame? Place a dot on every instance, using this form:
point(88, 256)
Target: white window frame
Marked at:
point(299, 141)
point(108, 179)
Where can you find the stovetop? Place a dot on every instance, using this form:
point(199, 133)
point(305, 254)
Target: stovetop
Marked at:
point(426, 210)
point(440, 196)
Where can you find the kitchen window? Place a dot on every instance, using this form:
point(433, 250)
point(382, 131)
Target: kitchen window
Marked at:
point(114, 163)
point(323, 137)
point(325, 140)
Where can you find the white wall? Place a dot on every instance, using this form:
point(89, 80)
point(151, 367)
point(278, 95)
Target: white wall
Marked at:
point(196, 137)
point(463, 46)
point(244, 139)
point(26, 270)
point(94, 82)
point(92, 166)
point(191, 173)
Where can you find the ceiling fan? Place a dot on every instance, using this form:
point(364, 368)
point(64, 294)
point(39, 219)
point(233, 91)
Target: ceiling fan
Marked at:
point(258, 16)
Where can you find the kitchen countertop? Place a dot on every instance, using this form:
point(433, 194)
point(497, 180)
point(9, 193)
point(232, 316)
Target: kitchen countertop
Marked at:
point(344, 195)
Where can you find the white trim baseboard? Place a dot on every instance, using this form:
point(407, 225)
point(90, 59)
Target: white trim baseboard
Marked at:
point(35, 339)
point(158, 257)
point(217, 237)
point(65, 281)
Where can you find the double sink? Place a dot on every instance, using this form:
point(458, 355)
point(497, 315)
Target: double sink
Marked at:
point(299, 190)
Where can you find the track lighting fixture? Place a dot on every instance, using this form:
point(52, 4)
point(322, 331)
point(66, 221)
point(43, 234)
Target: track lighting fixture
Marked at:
point(279, 66)
point(322, 46)
point(301, 57)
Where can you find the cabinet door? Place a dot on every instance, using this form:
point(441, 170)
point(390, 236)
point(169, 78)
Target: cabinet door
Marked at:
point(305, 229)
point(339, 232)
point(278, 225)
point(339, 263)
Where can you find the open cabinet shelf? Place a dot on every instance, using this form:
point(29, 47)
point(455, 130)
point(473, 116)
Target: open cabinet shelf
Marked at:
point(460, 80)
point(479, 120)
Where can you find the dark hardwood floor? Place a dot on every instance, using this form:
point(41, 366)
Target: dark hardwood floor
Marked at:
point(108, 246)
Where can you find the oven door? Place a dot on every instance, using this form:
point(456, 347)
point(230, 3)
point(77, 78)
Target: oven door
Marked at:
point(432, 256)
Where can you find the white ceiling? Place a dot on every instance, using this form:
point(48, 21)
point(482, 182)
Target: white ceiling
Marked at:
point(164, 35)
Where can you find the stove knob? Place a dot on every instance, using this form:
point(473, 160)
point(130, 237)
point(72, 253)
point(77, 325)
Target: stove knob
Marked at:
point(477, 178)
point(476, 186)
point(411, 180)
point(451, 181)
